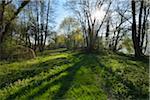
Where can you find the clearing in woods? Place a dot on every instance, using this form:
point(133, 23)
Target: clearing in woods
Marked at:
point(61, 74)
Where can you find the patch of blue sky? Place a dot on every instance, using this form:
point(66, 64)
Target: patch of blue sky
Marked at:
point(61, 12)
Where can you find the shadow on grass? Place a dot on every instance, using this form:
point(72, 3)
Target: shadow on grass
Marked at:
point(66, 82)
point(133, 61)
point(52, 52)
point(119, 84)
point(116, 83)
point(28, 88)
point(143, 59)
point(31, 71)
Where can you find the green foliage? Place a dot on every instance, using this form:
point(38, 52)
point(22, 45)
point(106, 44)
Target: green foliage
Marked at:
point(71, 41)
point(12, 51)
point(60, 74)
point(60, 41)
point(125, 77)
point(77, 38)
point(9, 12)
point(69, 24)
point(127, 43)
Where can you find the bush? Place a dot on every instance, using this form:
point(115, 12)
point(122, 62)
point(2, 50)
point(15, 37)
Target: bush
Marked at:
point(17, 52)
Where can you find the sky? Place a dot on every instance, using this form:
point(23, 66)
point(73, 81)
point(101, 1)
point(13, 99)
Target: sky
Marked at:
point(61, 12)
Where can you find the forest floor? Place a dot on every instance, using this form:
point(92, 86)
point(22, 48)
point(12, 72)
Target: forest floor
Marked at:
point(60, 74)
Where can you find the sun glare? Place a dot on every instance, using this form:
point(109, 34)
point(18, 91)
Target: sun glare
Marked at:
point(98, 14)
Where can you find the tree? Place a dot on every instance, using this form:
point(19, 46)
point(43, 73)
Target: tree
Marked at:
point(77, 39)
point(38, 15)
point(118, 29)
point(5, 26)
point(68, 25)
point(86, 12)
point(138, 30)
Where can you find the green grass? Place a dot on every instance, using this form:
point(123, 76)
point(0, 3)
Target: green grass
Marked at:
point(61, 74)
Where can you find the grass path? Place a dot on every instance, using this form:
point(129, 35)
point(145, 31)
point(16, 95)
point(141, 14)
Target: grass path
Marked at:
point(74, 76)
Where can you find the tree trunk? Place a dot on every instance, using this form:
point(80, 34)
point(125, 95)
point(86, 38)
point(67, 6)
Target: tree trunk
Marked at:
point(134, 32)
point(2, 7)
point(5, 28)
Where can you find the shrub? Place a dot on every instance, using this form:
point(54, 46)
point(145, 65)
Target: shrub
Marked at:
point(17, 52)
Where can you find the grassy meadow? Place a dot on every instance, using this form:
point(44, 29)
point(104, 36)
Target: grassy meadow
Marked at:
point(75, 75)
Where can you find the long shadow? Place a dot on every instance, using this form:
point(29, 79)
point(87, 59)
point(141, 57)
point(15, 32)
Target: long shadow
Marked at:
point(38, 83)
point(143, 59)
point(108, 76)
point(52, 52)
point(50, 64)
point(34, 85)
point(119, 76)
point(124, 58)
point(66, 82)
point(31, 71)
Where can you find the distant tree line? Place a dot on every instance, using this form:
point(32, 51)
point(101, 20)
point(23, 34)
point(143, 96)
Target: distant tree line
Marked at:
point(123, 21)
point(116, 25)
